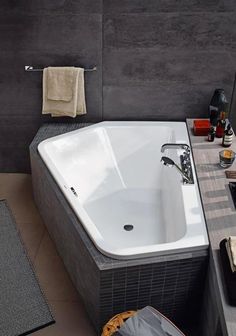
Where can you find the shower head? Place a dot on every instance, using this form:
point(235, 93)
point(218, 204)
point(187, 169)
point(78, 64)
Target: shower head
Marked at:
point(167, 161)
point(170, 163)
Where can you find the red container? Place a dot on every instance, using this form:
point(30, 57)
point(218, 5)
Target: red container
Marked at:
point(201, 127)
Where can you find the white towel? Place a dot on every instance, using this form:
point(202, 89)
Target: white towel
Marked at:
point(67, 100)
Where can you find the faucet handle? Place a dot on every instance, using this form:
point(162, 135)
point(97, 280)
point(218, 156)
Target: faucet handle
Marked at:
point(187, 167)
point(186, 154)
point(187, 150)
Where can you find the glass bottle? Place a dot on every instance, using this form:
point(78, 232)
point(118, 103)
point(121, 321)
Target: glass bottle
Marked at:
point(228, 136)
point(220, 128)
point(218, 100)
point(211, 134)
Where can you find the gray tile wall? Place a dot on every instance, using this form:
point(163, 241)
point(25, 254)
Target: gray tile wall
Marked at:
point(157, 59)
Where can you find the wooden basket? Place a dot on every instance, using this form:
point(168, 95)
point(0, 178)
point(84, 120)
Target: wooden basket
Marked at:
point(116, 322)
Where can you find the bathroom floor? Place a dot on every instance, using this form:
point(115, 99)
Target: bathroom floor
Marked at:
point(63, 299)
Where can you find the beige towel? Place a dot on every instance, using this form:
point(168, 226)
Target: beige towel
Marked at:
point(231, 250)
point(60, 83)
point(81, 105)
point(59, 108)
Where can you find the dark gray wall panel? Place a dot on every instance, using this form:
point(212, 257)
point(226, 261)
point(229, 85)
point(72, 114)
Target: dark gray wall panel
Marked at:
point(57, 6)
point(166, 102)
point(56, 33)
point(20, 93)
point(16, 132)
point(154, 66)
point(166, 65)
point(195, 31)
point(14, 158)
point(150, 6)
point(22, 129)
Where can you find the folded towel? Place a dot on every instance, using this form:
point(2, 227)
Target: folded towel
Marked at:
point(59, 108)
point(60, 83)
point(81, 105)
point(231, 251)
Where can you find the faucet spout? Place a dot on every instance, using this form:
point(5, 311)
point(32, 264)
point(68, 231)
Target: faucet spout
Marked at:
point(175, 146)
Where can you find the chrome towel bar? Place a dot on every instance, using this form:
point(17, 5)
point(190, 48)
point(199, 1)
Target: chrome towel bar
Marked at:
point(31, 68)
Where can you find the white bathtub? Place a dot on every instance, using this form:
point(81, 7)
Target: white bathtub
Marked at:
point(129, 203)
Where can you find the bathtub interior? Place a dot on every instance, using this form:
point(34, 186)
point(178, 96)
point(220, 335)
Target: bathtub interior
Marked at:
point(120, 183)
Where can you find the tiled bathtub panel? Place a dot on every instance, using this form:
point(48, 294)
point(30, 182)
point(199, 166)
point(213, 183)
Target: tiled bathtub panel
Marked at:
point(170, 287)
point(85, 276)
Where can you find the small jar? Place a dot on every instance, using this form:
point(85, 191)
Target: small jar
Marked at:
point(227, 157)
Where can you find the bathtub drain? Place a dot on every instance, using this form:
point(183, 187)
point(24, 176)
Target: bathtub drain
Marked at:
point(128, 227)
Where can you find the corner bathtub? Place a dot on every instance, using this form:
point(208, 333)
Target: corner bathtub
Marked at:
point(130, 205)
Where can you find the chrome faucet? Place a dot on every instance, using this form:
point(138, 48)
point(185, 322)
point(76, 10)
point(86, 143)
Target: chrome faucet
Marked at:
point(186, 167)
